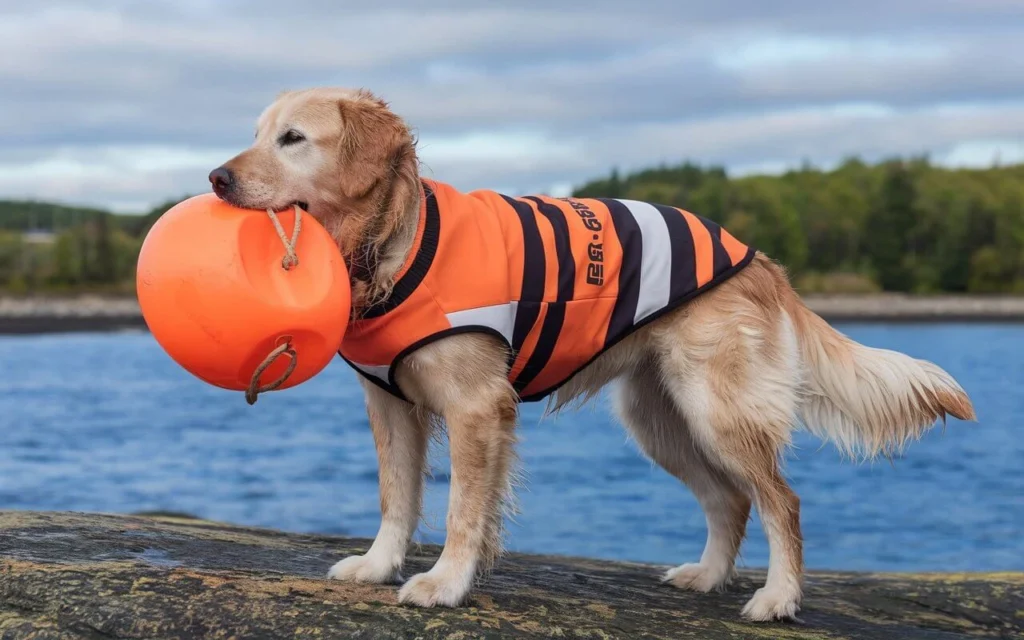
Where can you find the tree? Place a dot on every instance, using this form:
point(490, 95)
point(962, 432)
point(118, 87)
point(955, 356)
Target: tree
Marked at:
point(890, 225)
point(615, 187)
point(987, 275)
point(105, 268)
point(11, 256)
point(773, 223)
point(67, 263)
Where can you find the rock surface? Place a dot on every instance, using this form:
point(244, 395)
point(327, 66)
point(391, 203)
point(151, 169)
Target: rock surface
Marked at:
point(69, 575)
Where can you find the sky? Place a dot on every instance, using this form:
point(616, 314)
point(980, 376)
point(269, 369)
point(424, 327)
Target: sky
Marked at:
point(125, 104)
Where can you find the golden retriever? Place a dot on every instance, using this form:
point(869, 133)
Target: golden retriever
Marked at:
point(711, 391)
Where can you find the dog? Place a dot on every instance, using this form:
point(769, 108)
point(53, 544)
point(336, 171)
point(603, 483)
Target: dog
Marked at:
point(711, 389)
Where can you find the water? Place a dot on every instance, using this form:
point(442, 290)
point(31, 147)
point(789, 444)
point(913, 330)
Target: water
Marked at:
point(106, 422)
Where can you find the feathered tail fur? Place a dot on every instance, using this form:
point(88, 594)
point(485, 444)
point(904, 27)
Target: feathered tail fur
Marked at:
point(869, 401)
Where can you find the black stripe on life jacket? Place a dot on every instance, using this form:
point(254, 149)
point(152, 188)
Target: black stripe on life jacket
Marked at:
point(420, 264)
point(722, 259)
point(684, 260)
point(533, 273)
point(563, 247)
point(628, 232)
point(549, 332)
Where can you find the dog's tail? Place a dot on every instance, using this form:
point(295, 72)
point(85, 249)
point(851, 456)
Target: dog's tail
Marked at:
point(869, 401)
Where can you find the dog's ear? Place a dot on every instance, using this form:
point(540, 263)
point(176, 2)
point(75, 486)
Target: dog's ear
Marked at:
point(375, 145)
point(378, 166)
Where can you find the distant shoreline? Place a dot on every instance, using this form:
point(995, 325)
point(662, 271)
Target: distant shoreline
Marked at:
point(68, 314)
point(52, 314)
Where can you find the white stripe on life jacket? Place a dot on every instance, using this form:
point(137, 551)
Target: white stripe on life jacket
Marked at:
point(656, 268)
point(500, 317)
point(380, 372)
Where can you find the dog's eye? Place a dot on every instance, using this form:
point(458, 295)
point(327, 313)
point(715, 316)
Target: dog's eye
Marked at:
point(290, 136)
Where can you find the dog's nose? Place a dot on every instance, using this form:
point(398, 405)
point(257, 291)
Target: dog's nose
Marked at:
point(222, 180)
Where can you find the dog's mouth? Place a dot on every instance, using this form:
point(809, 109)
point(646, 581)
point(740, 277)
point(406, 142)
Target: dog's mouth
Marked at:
point(297, 203)
point(233, 199)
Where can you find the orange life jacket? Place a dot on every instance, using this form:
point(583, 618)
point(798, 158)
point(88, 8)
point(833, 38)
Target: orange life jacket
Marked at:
point(559, 280)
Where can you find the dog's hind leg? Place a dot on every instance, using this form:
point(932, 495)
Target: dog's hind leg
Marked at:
point(661, 431)
point(733, 371)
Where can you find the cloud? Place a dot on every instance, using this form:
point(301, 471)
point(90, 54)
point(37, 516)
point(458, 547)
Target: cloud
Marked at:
point(124, 104)
point(124, 178)
point(955, 135)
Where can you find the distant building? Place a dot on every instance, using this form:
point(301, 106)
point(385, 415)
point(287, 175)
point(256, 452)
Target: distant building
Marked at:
point(39, 236)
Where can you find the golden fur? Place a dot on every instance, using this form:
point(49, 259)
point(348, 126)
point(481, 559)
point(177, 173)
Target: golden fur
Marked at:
point(711, 392)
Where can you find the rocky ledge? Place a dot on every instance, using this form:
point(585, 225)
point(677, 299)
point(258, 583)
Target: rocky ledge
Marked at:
point(26, 315)
point(69, 575)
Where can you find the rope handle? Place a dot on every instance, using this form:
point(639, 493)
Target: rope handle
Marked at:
point(291, 259)
point(254, 386)
point(288, 262)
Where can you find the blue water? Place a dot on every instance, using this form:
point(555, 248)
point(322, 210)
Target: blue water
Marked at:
point(107, 422)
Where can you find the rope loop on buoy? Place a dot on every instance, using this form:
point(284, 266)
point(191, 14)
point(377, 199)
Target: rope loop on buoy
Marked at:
point(291, 259)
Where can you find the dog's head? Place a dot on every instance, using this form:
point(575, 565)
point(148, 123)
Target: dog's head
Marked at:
point(340, 154)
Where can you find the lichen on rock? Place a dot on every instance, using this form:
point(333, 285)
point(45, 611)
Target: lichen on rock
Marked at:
point(69, 575)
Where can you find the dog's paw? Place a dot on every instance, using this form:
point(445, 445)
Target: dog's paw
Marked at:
point(434, 589)
point(773, 603)
point(697, 577)
point(367, 569)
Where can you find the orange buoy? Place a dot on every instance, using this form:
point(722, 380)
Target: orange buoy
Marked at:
point(227, 300)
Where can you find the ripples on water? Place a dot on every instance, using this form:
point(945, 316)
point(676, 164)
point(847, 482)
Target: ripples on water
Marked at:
point(107, 422)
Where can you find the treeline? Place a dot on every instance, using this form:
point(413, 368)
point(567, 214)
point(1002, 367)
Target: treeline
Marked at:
point(43, 216)
point(901, 225)
point(52, 248)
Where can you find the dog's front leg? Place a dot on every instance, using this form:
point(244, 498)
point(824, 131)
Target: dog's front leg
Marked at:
point(400, 434)
point(481, 433)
